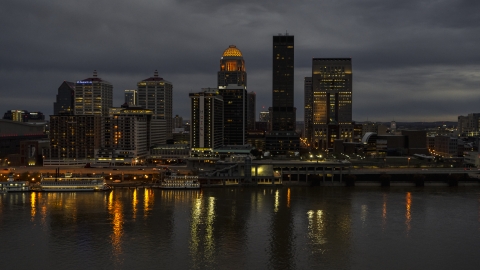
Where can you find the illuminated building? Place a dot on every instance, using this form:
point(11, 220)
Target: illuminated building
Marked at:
point(128, 135)
point(232, 85)
point(131, 97)
point(177, 122)
point(264, 116)
point(282, 139)
point(332, 101)
point(65, 98)
point(155, 93)
point(73, 138)
point(207, 121)
point(93, 96)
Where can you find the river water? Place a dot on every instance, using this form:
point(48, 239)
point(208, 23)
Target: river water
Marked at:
point(243, 228)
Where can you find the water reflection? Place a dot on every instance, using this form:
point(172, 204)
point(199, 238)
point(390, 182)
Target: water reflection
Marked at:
point(316, 230)
point(408, 213)
point(33, 206)
point(384, 212)
point(115, 209)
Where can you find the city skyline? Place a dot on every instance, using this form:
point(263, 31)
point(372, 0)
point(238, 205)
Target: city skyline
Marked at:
point(413, 61)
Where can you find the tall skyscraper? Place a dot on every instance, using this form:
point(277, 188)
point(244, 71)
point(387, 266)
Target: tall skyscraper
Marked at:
point(308, 99)
point(251, 103)
point(65, 99)
point(155, 93)
point(93, 96)
point(283, 110)
point(206, 121)
point(232, 85)
point(131, 97)
point(332, 101)
point(282, 139)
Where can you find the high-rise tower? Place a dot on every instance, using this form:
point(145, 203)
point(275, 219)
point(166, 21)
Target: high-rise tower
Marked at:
point(282, 139)
point(283, 110)
point(93, 96)
point(308, 99)
point(332, 101)
point(155, 93)
point(232, 85)
point(65, 99)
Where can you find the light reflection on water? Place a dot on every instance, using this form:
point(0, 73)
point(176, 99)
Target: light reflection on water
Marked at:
point(259, 228)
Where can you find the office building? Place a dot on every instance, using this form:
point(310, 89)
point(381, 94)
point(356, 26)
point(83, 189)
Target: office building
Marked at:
point(232, 85)
point(207, 121)
point(131, 97)
point(251, 103)
point(177, 122)
point(93, 96)
point(282, 139)
point(65, 99)
point(332, 101)
point(155, 94)
point(307, 113)
point(283, 111)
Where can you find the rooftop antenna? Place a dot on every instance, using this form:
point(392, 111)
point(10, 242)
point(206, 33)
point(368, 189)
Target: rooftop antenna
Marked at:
point(95, 73)
point(155, 74)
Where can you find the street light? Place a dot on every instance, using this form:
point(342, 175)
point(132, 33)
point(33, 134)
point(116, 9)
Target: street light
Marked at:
point(408, 163)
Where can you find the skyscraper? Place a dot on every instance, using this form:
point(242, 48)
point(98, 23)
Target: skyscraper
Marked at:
point(65, 98)
point(93, 96)
point(155, 93)
point(282, 139)
point(131, 97)
point(308, 99)
point(232, 85)
point(332, 101)
point(207, 121)
point(251, 100)
point(283, 110)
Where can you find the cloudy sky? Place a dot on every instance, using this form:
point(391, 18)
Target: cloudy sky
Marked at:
point(413, 60)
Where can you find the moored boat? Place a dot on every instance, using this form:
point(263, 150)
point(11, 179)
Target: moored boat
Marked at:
point(174, 181)
point(74, 183)
point(14, 186)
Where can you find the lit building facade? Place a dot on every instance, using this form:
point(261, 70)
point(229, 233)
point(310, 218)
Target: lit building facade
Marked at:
point(232, 85)
point(207, 121)
point(155, 94)
point(332, 101)
point(65, 99)
point(93, 96)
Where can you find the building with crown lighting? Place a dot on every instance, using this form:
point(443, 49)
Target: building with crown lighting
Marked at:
point(155, 94)
point(93, 96)
point(232, 86)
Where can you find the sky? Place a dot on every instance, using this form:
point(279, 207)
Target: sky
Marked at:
point(413, 60)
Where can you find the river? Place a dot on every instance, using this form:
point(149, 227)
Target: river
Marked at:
point(243, 228)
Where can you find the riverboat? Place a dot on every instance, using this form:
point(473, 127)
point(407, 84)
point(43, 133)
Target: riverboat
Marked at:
point(174, 181)
point(74, 183)
point(14, 186)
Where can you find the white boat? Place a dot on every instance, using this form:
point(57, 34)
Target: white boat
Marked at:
point(14, 186)
point(74, 183)
point(174, 181)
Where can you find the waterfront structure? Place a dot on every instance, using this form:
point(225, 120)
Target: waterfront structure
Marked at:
point(207, 120)
point(232, 85)
point(155, 93)
point(251, 103)
point(65, 100)
point(283, 140)
point(308, 100)
point(93, 96)
point(130, 97)
point(332, 101)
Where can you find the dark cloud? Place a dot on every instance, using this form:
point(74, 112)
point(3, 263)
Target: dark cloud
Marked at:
point(412, 60)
